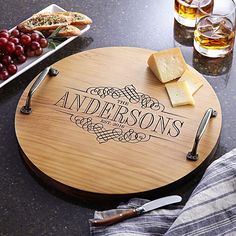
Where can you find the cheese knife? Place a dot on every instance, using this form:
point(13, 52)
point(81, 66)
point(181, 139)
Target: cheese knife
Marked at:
point(160, 202)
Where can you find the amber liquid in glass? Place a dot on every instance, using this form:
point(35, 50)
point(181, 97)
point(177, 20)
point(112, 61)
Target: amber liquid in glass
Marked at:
point(185, 11)
point(214, 36)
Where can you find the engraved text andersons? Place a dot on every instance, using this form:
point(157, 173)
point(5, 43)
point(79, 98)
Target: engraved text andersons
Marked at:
point(155, 122)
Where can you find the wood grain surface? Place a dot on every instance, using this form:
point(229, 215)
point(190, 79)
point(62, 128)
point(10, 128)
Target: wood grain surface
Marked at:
point(105, 124)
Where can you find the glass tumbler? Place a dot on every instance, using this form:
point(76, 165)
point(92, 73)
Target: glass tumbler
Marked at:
point(215, 31)
point(185, 11)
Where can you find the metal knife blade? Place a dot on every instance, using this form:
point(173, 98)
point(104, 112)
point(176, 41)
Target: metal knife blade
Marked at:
point(135, 212)
point(159, 203)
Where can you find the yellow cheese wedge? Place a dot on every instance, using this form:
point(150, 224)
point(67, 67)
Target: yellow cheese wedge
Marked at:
point(179, 93)
point(193, 78)
point(168, 64)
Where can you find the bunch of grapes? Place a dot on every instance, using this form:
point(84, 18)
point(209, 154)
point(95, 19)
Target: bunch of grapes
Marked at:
point(16, 47)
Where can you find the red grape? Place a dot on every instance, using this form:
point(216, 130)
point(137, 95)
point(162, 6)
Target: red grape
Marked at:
point(14, 40)
point(3, 42)
point(25, 39)
point(1, 66)
point(19, 50)
point(12, 69)
point(15, 33)
point(21, 58)
point(38, 52)
point(4, 75)
point(35, 36)
point(30, 53)
point(43, 42)
point(6, 60)
point(4, 34)
point(10, 47)
point(35, 45)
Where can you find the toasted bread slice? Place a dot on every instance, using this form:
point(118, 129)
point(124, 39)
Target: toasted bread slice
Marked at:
point(77, 18)
point(68, 31)
point(48, 21)
point(44, 21)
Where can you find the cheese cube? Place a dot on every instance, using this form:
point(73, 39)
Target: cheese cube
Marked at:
point(179, 93)
point(193, 78)
point(168, 64)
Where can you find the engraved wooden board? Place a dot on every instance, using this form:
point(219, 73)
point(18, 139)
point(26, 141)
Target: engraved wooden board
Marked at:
point(105, 125)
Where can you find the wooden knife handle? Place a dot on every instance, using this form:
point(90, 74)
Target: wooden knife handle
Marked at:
point(116, 218)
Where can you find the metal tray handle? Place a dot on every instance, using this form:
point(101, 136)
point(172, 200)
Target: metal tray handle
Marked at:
point(26, 109)
point(193, 156)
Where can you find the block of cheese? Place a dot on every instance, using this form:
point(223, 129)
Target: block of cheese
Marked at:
point(193, 78)
point(179, 93)
point(168, 64)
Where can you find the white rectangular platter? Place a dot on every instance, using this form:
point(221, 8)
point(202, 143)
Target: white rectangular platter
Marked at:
point(47, 52)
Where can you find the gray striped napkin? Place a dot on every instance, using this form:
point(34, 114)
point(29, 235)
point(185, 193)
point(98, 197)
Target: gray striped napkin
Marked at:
point(210, 210)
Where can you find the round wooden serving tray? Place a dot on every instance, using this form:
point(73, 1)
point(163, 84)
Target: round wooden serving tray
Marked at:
point(105, 125)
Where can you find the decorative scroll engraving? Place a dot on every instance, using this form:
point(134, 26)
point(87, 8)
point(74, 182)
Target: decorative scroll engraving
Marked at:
point(103, 135)
point(128, 92)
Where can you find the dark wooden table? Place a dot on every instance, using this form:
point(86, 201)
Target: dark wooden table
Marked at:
point(29, 207)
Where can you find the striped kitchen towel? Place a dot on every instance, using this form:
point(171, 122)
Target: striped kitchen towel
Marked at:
point(210, 210)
